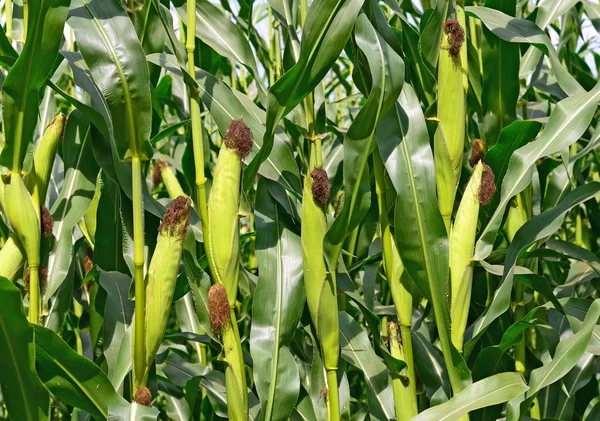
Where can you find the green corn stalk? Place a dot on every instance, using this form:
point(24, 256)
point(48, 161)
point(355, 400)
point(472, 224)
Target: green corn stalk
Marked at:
point(162, 276)
point(8, 8)
point(518, 213)
point(197, 133)
point(405, 394)
point(320, 284)
point(223, 252)
point(450, 136)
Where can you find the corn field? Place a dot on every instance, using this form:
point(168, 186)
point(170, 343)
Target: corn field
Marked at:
point(300, 210)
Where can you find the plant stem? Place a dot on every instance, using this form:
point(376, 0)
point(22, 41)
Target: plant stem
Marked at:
point(271, 46)
point(519, 314)
point(234, 357)
point(139, 354)
point(34, 295)
point(8, 8)
point(25, 19)
point(333, 400)
point(197, 133)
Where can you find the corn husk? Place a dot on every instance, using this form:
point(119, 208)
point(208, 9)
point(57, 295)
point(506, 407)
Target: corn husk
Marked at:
point(462, 243)
point(223, 207)
point(320, 285)
point(162, 275)
point(24, 218)
point(44, 157)
point(451, 114)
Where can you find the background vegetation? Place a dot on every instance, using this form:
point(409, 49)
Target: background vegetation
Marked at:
point(393, 210)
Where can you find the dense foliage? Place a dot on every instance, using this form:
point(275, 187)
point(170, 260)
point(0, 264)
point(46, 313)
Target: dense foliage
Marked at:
point(307, 210)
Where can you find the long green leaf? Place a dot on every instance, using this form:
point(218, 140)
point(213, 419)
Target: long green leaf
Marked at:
point(110, 47)
point(27, 76)
point(541, 226)
point(386, 72)
point(492, 390)
point(524, 31)
point(500, 91)
point(420, 232)
point(71, 377)
point(75, 197)
point(328, 26)
point(25, 397)
point(280, 292)
point(567, 354)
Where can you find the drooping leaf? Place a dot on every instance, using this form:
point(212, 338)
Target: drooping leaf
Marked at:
point(110, 47)
point(568, 121)
point(27, 76)
point(386, 71)
point(71, 377)
point(25, 396)
point(542, 225)
point(328, 27)
point(492, 390)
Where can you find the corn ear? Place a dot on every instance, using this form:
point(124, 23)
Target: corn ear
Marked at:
point(320, 284)
point(169, 179)
point(223, 208)
point(24, 218)
point(462, 243)
point(451, 114)
point(162, 275)
point(44, 157)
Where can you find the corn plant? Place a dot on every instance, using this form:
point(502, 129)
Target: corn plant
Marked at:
point(299, 210)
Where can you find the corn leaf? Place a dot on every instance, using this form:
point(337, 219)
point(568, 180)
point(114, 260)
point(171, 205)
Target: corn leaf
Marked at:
point(71, 377)
point(27, 76)
point(280, 291)
point(386, 72)
point(25, 396)
point(541, 226)
point(492, 390)
point(568, 121)
point(329, 25)
point(110, 47)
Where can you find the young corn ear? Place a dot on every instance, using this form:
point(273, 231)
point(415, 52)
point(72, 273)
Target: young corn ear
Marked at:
point(223, 208)
point(162, 171)
point(479, 191)
point(44, 157)
point(162, 275)
point(451, 114)
point(24, 218)
point(320, 285)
